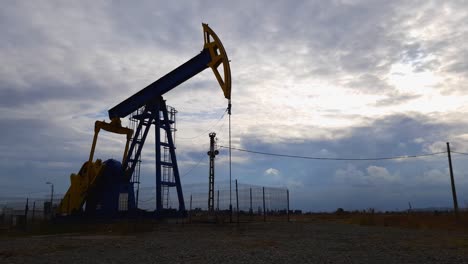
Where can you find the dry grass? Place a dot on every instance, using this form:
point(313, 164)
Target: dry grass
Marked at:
point(116, 227)
point(413, 220)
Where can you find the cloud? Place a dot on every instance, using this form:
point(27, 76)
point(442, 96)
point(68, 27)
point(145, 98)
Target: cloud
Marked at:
point(395, 99)
point(435, 176)
point(381, 173)
point(372, 176)
point(349, 173)
point(437, 146)
point(272, 172)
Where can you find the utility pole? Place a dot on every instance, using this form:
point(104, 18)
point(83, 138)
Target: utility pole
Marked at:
point(212, 153)
point(452, 180)
point(230, 168)
point(26, 209)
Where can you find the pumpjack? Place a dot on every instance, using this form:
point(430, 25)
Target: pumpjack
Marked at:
point(106, 188)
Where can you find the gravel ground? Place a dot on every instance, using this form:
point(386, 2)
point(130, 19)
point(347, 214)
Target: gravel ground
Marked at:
point(316, 242)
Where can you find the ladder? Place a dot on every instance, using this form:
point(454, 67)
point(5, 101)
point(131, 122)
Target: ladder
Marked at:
point(167, 173)
point(167, 170)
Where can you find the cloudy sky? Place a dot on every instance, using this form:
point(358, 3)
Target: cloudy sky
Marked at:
point(314, 78)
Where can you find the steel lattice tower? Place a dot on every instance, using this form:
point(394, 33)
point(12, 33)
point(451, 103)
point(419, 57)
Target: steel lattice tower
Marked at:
point(212, 153)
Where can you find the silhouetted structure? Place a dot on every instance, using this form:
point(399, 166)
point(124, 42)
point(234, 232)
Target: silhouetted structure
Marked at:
point(212, 153)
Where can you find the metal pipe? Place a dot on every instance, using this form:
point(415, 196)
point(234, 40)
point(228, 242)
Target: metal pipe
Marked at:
point(452, 181)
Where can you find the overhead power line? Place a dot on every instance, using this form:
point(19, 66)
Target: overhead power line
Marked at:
point(461, 153)
point(343, 159)
point(202, 158)
point(207, 130)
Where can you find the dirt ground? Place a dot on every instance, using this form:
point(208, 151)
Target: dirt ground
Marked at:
point(280, 242)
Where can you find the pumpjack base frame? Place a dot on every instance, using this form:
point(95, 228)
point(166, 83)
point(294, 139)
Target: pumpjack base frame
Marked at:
point(156, 113)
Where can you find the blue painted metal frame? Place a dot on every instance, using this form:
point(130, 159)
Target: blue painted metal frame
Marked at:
point(152, 116)
point(157, 146)
point(131, 160)
point(166, 83)
point(175, 167)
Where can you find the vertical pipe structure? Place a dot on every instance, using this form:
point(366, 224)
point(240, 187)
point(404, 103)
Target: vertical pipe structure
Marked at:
point(212, 153)
point(452, 181)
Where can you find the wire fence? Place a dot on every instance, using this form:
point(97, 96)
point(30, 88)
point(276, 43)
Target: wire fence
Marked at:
point(235, 202)
point(237, 198)
point(17, 211)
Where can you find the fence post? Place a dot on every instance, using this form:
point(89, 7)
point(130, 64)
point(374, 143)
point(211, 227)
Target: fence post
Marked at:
point(264, 211)
point(452, 181)
point(287, 194)
point(26, 209)
point(190, 210)
point(237, 202)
